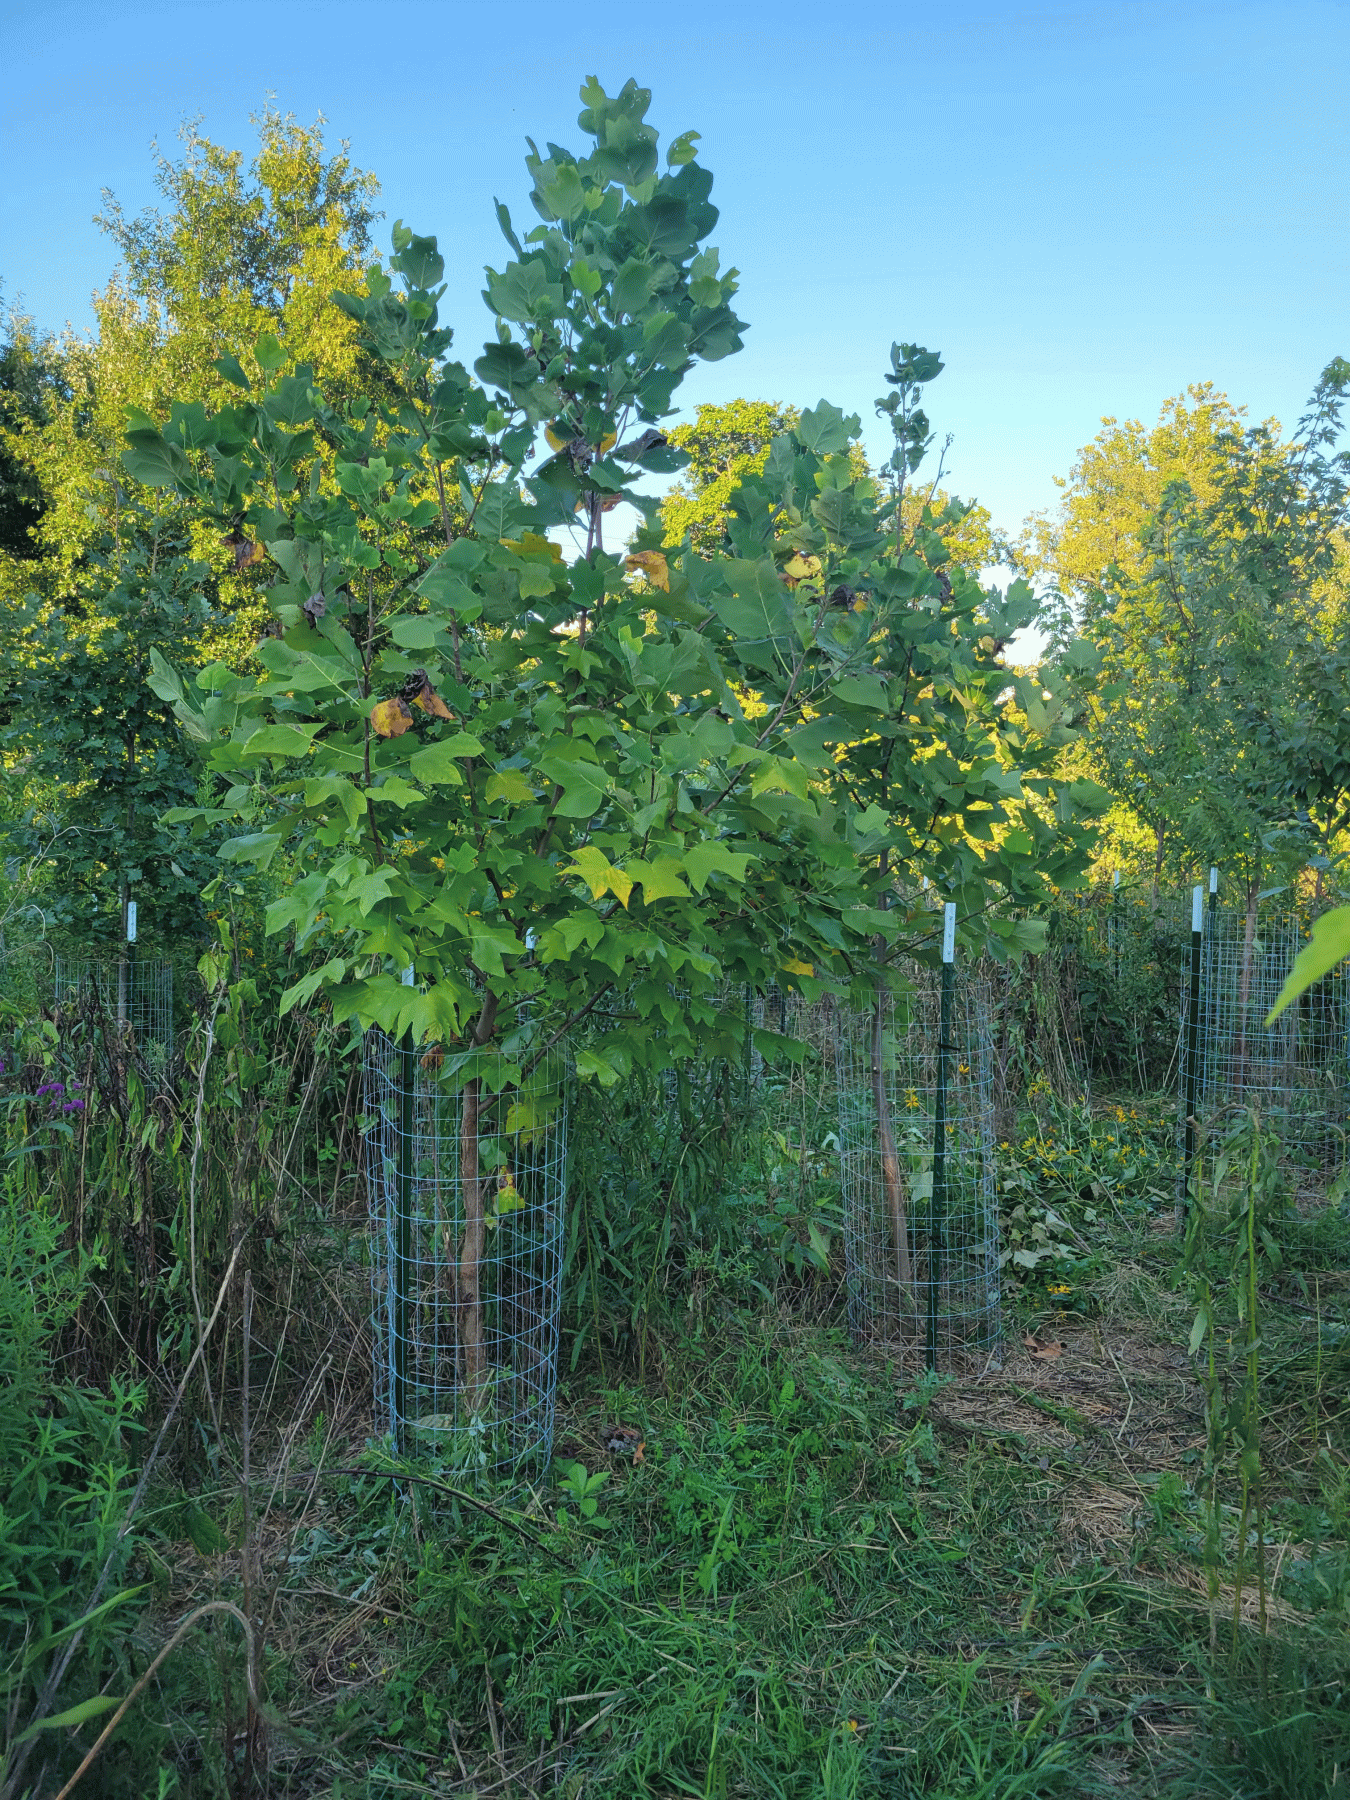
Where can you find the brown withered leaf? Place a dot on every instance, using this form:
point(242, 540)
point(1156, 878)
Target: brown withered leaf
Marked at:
point(433, 1058)
point(314, 608)
point(418, 689)
point(244, 550)
point(391, 718)
point(1036, 1348)
point(653, 565)
point(623, 1440)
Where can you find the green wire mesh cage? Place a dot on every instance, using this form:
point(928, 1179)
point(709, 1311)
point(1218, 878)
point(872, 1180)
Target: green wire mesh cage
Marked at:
point(1293, 1073)
point(133, 995)
point(916, 1116)
point(467, 1183)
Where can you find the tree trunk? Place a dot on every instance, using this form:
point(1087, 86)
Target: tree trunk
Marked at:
point(1245, 990)
point(471, 1249)
point(469, 1273)
point(891, 1180)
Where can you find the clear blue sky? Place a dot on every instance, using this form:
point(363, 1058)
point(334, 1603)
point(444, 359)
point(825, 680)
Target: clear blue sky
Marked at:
point(1083, 207)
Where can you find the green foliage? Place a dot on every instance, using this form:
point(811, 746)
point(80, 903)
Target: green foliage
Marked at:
point(687, 1203)
point(1063, 1175)
point(239, 250)
point(103, 756)
point(1328, 945)
point(600, 807)
point(1218, 701)
point(1120, 952)
point(32, 380)
point(1275, 1729)
point(757, 1615)
point(583, 1489)
point(723, 445)
point(65, 1459)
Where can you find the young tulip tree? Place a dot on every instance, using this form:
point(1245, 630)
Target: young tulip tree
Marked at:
point(591, 788)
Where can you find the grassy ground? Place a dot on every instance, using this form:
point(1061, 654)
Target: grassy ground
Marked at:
point(826, 1575)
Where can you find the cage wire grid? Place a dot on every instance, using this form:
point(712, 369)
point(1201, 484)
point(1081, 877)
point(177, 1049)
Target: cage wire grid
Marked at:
point(135, 994)
point(1293, 1073)
point(1128, 930)
point(941, 1105)
point(794, 1100)
point(474, 1388)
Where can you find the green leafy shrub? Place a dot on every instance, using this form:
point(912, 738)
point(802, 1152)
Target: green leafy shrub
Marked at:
point(1067, 1171)
point(64, 1464)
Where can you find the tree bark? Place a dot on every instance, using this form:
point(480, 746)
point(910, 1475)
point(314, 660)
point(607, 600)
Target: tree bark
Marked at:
point(469, 1273)
point(1245, 990)
point(891, 1179)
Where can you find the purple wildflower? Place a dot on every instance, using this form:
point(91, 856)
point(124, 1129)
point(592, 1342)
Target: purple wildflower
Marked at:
point(73, 1106)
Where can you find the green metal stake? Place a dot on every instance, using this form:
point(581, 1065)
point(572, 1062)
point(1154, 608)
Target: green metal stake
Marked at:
point(937, 1231)
point(403, 1231)
point(1211, 997)
point(125, 966)
point(1192, 1043)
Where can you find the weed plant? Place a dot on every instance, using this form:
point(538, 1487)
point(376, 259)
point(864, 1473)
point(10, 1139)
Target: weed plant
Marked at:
point(67, 1452)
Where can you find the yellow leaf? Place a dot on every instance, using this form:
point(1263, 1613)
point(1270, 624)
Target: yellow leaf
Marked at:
point(800, 568)
point(529, 543)
point(794, 967)
point(391, 718)
point(554, 441)
point(653, 565)
point(600, 875)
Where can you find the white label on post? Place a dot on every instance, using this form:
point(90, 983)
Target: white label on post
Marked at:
point(1115, 879)
point(1213, 879)
point(407, 976)
point(131, 921)
point(949, 932)
point(1198, 909)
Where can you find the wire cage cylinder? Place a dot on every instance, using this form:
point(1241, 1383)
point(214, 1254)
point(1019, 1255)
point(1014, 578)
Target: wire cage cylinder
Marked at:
point(916, 1117)
point(134, 994)
point(466, 1195)
point(1292, 1072)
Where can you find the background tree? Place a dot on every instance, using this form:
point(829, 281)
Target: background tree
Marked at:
point(725, 444)
point(238, 251)
point(92, 564)
point(1206, 561)
point(1115, 489)
point(100, 756)
point(32, 382)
